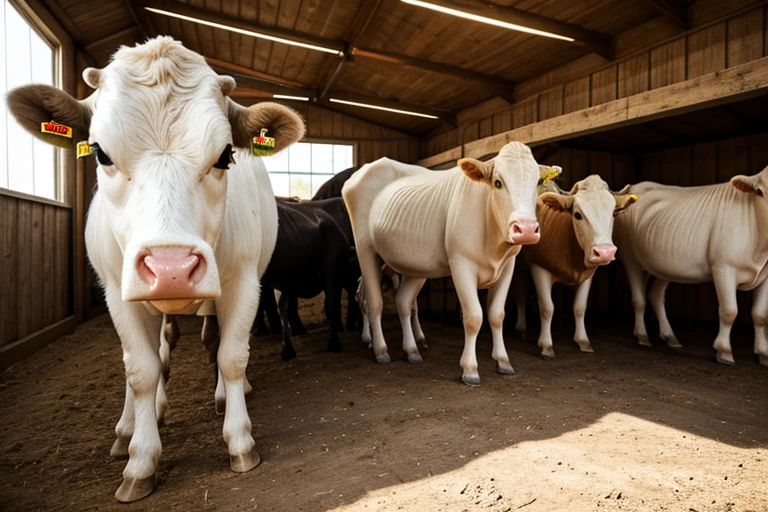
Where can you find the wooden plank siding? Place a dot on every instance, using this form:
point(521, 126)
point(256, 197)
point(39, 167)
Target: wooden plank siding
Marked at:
point(35, 284)
point(707, 48)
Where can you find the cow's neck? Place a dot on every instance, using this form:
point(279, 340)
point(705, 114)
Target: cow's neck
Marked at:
point(496, 237)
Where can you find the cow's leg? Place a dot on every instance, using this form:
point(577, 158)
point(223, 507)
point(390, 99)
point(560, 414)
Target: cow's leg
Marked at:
point(333, 287)
point(465, 282)
point(637, 283)
point(138, 331)
point(520, 294)
point(235, 310)
point(124, 427)
point(210, 338)
point(260, 327)
point(656, 296)
point(416, 324)
point(297, 326)
point(371, 270)
point(172, 333)
point(579, 310)
point(404, 299)
point(543, 281)
point(759, 318)
point(284, 304)
point(725, 286)
point(497, 300)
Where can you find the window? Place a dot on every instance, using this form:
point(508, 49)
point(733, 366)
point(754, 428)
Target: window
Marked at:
point(305, 166)
point(26, 164)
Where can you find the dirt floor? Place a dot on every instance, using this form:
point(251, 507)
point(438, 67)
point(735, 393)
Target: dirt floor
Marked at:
point(627, 428)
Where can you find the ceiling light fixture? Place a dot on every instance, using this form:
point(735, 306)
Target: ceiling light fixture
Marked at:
point(285, 97)
point(386, 109)
point(483, 19)
point(245, 32)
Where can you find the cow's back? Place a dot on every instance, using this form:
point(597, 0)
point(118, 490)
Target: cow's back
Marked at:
point(558, 250)
point(332, 187)
point(680, 233)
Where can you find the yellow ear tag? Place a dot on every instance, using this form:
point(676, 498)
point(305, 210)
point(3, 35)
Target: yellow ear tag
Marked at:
point(84, 149)
point(55, 128)
point(554, 172)
point(263, 145)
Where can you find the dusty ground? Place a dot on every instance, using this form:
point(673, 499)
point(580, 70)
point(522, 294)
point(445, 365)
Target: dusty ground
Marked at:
point(628, 428)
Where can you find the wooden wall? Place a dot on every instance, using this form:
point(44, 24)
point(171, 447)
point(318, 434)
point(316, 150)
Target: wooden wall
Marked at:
point(35, 281)
point(725, 34)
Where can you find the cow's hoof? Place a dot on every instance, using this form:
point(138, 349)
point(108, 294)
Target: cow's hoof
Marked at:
point(244, 462)
point(221, 406)
point(763, 359)
point(370, 345)
point(585, 346)
point(505, 368)
point(132, 489)
point(471, 380)
point(548, 353)
point(725, 358)
point(247, 388)
point(644, 341)
point(367, 339)
point(383, 358)
point(119, 448)
point(672, 341)
point(287, 355)
point(160, 411)
point(423, 344)
point(415, 358)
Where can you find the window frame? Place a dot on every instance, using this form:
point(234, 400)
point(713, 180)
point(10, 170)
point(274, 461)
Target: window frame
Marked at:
point(57, 46)
point(320, 140)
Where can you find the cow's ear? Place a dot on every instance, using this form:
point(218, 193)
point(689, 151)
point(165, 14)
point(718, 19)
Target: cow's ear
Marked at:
point(747, 184)
point(282, 123)
point(623, 191)
point(476, 170)
point(557, 202)
point(624, 201)
point(33, 105)
point(548, 173)
point(227, 84)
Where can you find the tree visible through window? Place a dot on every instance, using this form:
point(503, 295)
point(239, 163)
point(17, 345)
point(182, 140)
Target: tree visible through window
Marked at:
point(305, 166)
point(26, 164)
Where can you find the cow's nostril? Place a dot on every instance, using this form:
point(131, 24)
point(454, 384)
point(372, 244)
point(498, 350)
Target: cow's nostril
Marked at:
point(537, 229)
point(516, 228)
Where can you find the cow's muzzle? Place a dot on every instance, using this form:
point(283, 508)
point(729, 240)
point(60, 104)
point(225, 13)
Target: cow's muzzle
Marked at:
point(523, 232)
point(602, 254)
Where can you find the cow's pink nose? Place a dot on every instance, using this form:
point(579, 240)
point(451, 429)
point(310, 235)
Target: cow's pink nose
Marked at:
point(171, 272)
point(523, 231)
point(603, 254)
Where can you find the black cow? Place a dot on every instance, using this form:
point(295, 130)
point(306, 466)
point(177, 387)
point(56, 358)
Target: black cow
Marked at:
point(312, 253)
point(329, 189)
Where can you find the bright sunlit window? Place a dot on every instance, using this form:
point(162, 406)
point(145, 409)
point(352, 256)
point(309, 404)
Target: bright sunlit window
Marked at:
point(26, 164)
point(305, 166)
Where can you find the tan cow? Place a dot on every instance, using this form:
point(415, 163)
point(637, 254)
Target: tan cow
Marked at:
point(468, 222)
point(576, 239)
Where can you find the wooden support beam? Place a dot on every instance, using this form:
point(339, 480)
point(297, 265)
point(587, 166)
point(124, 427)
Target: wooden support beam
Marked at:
point(141, 18)
point(113, 39)
point(444, 115)
point(677, 10)
point(258, 75)
point(726, 86)
point(596, 41)
point(259, 84)
point(183, 9)
point(441, 158)
point(494, 82)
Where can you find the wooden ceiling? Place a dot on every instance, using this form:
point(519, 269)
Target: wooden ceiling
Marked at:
point(397, 54)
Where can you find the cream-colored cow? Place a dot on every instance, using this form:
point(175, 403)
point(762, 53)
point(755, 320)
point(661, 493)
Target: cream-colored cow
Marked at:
point(468, 222)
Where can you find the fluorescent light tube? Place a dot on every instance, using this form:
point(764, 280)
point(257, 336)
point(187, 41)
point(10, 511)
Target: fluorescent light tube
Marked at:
point(386, 109)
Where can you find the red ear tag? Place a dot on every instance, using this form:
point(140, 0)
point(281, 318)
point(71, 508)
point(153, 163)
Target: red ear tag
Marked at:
point(55, 128)
point(263, 145)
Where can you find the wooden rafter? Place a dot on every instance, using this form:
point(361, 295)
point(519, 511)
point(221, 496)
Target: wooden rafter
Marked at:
point(677, 10)
point(141, 18)
point(112, 39)
point(242, 70)
point(596, 41)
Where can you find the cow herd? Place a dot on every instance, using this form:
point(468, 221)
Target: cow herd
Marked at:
point(184, 221)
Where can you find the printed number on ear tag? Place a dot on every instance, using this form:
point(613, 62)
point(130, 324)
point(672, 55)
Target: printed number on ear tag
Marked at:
point(84, 149)
point(55, 128)
point(263, 145)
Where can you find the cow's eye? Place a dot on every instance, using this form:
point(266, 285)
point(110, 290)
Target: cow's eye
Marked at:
point(577, 216)
point(497, 183)
point(102, 157)
point(225, 159)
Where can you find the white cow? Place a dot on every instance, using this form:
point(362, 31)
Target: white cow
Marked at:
point(467, 222)
point(174, 221)
point(576, 230)
point(696, 235)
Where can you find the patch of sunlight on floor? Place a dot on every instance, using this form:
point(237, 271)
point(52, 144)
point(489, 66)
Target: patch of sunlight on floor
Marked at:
point(618, 463)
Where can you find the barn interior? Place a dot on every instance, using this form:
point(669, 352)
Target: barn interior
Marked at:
point(672, 91)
